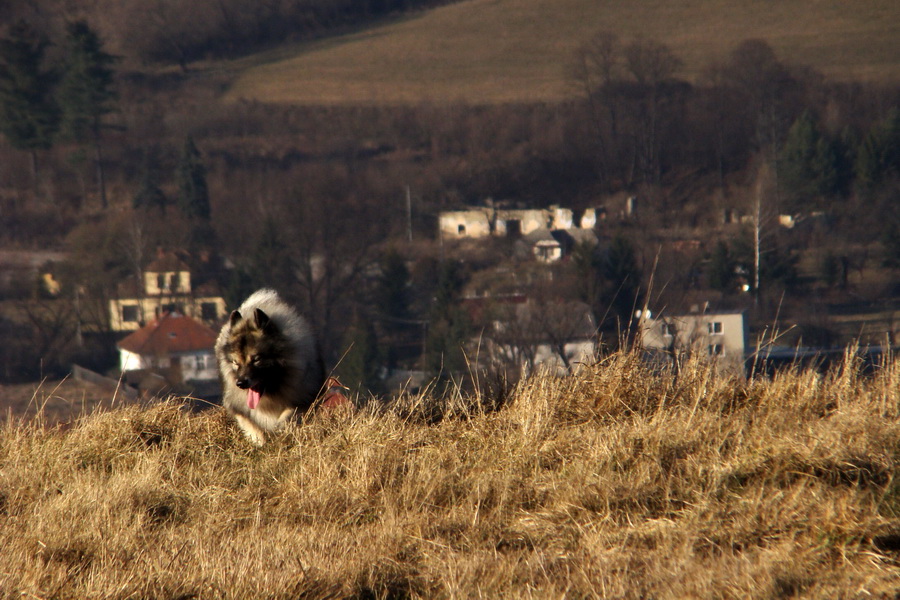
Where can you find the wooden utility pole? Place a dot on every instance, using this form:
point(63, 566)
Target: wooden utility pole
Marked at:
point(408, 216)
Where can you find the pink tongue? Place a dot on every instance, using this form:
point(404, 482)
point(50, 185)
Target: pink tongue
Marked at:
point(253, 397)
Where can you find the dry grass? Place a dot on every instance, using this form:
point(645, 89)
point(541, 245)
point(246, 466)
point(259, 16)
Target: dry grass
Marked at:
point(487, 51)
point(617, 483)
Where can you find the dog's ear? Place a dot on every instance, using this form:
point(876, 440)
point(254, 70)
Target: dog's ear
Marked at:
point(262, 320)
point(235, 317)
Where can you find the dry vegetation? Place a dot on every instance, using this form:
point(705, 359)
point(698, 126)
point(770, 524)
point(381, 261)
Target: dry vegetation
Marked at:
point(620, 483)
point(522, 50)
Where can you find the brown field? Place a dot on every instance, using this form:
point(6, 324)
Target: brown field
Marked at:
point(616, 483)
point(490, 51)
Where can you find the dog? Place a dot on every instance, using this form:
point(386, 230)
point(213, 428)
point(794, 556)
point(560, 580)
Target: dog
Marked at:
point(271, 365)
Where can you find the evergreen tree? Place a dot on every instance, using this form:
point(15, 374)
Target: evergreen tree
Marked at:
point(447, 334)
point(392, 292)
point(29, 116)
point(86, 92)
point(448, 326)
point(879, 154)
point(721, 268)
point(890, 241)
point(623, 280)
point(149, 195)
point(193, 194)
point(587, 262)
point(810, 163)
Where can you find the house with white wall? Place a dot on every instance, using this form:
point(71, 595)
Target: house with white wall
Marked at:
point(165, 287)
point(173, 343)
point(717, 335)
point(485, 221)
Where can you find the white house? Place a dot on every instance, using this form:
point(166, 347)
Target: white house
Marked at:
point(529, 336)
point(173, 343)
point(721, 336)
point(484, 221)
point(465, 223)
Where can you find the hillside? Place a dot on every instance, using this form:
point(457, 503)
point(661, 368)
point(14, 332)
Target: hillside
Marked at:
point(619, 482)
point(521, 50)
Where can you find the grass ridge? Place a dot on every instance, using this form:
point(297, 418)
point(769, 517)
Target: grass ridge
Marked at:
point(621, 481)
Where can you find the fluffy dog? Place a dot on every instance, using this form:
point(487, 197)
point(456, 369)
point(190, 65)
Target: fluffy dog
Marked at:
point(270, 363)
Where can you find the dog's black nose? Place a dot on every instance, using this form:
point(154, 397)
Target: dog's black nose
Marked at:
point(243, 383)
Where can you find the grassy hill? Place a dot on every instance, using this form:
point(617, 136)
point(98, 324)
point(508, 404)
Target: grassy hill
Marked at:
point(619, 482)
point(520, 50)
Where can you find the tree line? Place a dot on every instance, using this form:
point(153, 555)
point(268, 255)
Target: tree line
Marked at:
point(178, 32)
point(310, 196)
point(42, 104)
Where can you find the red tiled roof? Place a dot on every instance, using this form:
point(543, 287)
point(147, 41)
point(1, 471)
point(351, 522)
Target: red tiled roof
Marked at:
point(170, 334)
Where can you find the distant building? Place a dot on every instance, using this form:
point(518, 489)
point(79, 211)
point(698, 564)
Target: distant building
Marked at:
point(465, 223)
point(528, 336)
point(551, 245)
point(479, 222)
point(720, 336)
point(173, 344)
point(166, 287)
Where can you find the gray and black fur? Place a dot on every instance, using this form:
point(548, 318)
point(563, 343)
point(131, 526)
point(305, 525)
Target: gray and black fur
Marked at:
point(268, 352)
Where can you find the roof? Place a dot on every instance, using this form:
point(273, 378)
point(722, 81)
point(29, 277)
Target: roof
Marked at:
point(167, 263)
point(172, 333)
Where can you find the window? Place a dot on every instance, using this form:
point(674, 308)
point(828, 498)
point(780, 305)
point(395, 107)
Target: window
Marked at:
point(716, 350)
point(461, 230)
point(668, 330)
point(130, 313)
point(208, 311)
point(714, 327)
point(161, 282)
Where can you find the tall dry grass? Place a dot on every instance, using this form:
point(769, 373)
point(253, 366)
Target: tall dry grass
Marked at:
point(620, 482)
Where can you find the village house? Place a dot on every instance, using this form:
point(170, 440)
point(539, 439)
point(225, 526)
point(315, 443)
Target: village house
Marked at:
point(547, 234)
point(165, 287)
point(480, 222)
point(174, 345)
point(551, 245)
point(720, 336)
point(528, 336)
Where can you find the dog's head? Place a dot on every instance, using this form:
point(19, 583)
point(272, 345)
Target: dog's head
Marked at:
point(255, 353)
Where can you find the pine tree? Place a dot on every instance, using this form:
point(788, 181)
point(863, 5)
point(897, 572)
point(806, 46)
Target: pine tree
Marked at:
point(448, 326)
point(392, 292)
point(587, 262)
point(879, 154)
point(721, 268)
point(890, 241)
point(193, 194)
point(810, 163)
point(86, 92)
point(29, 116)
point(623, 280)
point(149, 195)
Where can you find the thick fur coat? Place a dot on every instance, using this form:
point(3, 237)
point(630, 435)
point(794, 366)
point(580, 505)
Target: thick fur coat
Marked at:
point(270, 363)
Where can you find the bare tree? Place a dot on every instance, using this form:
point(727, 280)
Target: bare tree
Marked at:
point(632, 96)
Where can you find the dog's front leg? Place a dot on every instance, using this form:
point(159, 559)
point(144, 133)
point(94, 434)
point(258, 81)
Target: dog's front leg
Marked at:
point(251, 430)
